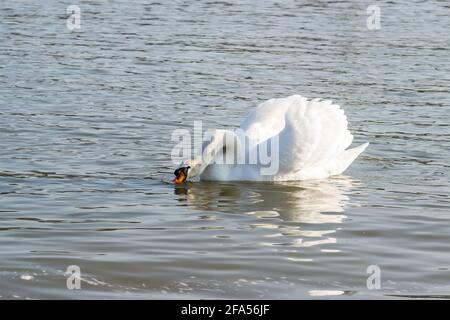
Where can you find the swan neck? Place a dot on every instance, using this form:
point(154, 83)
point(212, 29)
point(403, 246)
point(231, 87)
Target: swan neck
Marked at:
point(220, 141)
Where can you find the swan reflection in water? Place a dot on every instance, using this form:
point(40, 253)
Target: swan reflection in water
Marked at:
point(303, 202)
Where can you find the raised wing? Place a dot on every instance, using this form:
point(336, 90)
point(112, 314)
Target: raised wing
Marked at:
point(314, 137)
point(266, 120)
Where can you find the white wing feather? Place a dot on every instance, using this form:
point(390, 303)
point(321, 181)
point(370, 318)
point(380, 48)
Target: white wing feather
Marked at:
point(313, 142)
point(312, 135)
point(266, 120)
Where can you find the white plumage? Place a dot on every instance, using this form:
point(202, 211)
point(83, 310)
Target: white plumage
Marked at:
point(313, 139)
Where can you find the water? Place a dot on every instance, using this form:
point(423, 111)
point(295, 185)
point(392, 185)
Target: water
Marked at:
point(86, 119)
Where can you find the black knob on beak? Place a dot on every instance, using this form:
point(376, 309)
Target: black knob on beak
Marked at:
point(181, 170)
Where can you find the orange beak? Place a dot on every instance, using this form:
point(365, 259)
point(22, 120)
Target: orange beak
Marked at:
point(180, 178)
point(180, 175)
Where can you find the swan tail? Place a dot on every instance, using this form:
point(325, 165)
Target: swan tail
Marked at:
point(344, 160)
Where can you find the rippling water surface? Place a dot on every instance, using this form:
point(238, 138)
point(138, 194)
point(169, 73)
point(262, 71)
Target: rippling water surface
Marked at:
point(85, 138)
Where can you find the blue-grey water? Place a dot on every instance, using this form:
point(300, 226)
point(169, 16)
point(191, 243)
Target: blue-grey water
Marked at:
point(86, 118)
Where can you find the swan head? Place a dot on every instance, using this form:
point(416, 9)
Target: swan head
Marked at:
point(187, 169)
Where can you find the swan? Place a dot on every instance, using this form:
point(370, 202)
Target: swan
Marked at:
point(306, 139)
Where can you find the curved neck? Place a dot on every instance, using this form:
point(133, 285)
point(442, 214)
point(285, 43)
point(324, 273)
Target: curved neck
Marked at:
point(224, 147)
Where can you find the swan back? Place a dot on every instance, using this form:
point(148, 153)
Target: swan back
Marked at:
point(311, 137)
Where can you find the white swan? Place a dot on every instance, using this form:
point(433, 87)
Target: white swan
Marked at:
point(308, 137)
